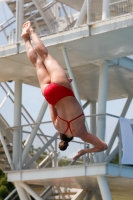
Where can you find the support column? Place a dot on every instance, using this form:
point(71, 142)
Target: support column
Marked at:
point(71, 74)
point(102, 96)
point(34, 131)
point(88, 11)
point(93, 119)
point(106, 9)
point(19, 19)
point(21, 192)
point(17, 122)
point(103, 185)
point(30, 191)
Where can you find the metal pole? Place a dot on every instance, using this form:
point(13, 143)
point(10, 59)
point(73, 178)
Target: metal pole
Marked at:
point(103, 185)
point(67, 18)
point(17, 122)
point(102, 96)
point(8, 197)
point(93, 119)
point(88, 11)
point(43, 14)
point(71, 74)
point(81, 16)
point(30, 191)
point(106, 9)
point(21, 192)
point(6, 150)
point(34, 131)
point(19, 19)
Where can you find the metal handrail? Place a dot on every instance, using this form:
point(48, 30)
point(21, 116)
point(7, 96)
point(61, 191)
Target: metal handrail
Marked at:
point(26, 113)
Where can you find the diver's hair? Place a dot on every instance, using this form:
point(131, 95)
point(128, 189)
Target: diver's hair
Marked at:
point(64, 142)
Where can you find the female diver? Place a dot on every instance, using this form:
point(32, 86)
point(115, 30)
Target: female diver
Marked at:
point(66, 112)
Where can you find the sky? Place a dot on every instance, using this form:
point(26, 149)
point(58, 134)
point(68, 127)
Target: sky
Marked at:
point(32, 99)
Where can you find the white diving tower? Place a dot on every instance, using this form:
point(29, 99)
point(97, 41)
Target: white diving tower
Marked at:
point(90, 39)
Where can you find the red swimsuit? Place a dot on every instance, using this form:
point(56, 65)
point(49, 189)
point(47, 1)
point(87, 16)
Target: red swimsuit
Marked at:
point(68, 123)
point(55, 92)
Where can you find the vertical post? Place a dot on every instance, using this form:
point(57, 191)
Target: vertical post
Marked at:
point(19, 19)
point(71, 74)
point(93, 119)
point(56, 156)
point(102, 96)
point(103, 185)
point(88, 11)
point(92, 124)
point(106, 9)
point(56, 10)
point(17, 122)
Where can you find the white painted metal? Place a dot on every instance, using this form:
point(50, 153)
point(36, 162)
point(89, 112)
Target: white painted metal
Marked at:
point(88, 11)
point(67, 18)
point(17, 122)
point(30, 191)
point(21, 192)
point(43, 14)
point(34, 131)
point(82, 14)
point(40, 151)
point(6, 150)
point(103, 185)
point(113, 3)
point(19, 19)
point(37, 26)
point(79, 195)
point(102, 97)
point(4, 99)
point(68, 65)
point(106, 9)
point(93, 119)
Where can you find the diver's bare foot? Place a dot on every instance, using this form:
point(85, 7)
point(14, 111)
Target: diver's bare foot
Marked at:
point(26, 30)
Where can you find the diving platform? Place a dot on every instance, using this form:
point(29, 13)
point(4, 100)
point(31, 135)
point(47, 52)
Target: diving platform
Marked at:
point(119, 178)
point(87, 47)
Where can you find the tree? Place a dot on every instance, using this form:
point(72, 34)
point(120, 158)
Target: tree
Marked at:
point(5, 187)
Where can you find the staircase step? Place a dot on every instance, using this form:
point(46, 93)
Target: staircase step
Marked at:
point(66, 197)
point(65, 191)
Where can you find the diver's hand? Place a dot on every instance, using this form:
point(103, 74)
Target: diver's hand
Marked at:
point(80, 153)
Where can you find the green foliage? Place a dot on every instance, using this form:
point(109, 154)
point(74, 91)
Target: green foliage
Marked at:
point(115, 160)
point(63, 162)
point(3, 192)
point(5, 187)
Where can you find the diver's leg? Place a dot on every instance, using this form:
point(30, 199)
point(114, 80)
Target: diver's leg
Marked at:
point(41, 70)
